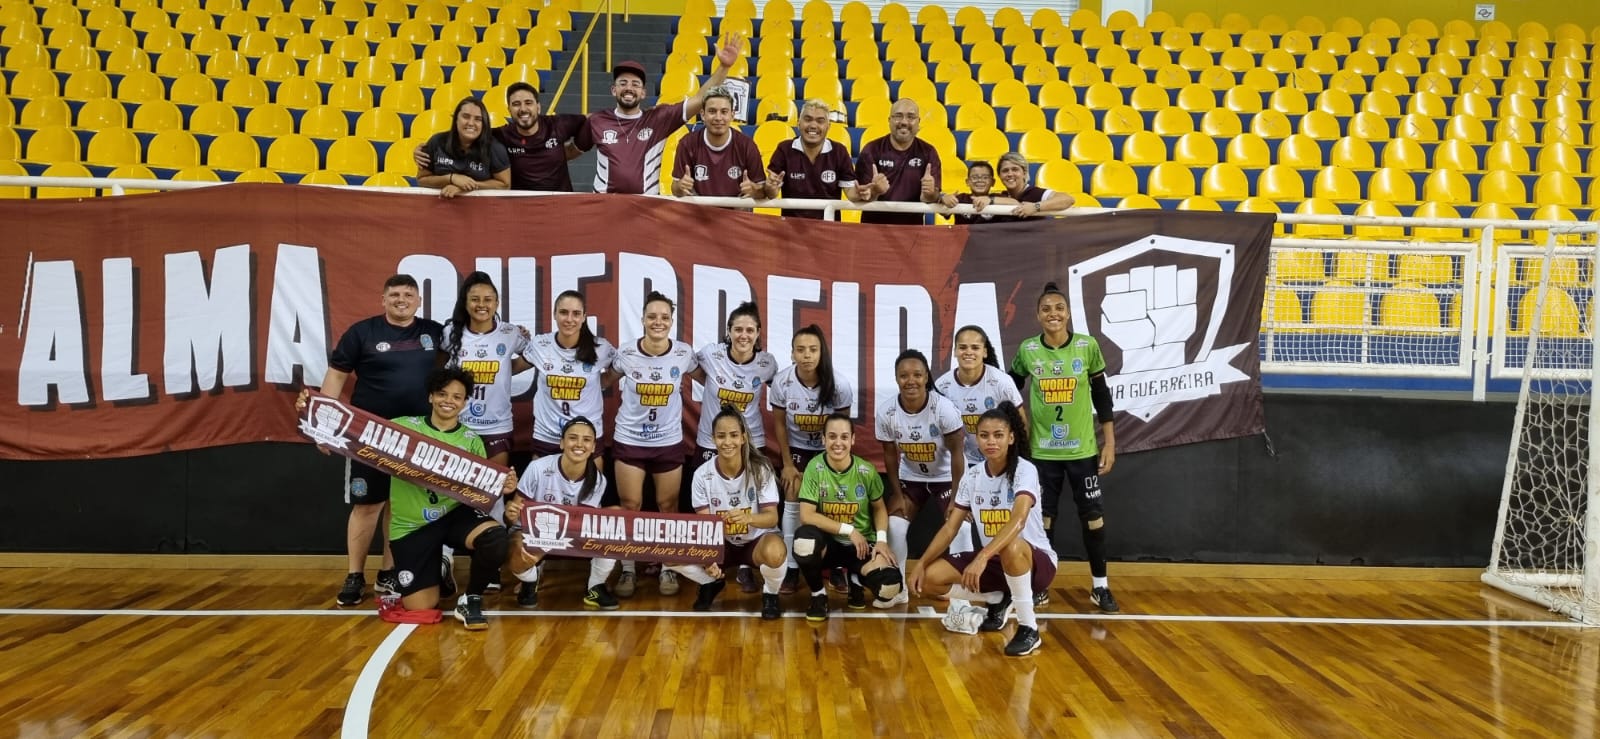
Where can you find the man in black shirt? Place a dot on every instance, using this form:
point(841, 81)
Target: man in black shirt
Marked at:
point(391, 355)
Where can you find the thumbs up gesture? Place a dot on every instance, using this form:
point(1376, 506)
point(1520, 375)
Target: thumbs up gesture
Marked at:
point(930, 189)
point(683, 186)
point(749, 189)
point(880, 184)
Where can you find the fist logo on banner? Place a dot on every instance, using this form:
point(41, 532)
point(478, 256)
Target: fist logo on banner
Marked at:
point(326, 422)
point(549, 523)
point(1162, 301)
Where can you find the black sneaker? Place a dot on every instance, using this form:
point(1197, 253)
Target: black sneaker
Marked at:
point(819, 608)
point(1103, 600)
point(387, 583)
point(708, 594)
point(838, 581)
point(599, 598)
point(747, 580)
point(528, 595)
point(1041, 598)
point(470, 613)
point(355, 588)
point(770, 610)
point(858, 598)
point(791, 582)
point(1026, 641)
point(447, 577)
point(996, 620)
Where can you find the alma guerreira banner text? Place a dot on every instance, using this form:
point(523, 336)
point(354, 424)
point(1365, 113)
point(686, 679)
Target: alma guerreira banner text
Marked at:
point(183, 320)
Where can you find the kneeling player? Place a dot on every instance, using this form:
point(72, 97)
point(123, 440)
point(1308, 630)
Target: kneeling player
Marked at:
point(841, 498)
point(738, 484)
point(569, 479)
point(422, 521)
point(1016, 559)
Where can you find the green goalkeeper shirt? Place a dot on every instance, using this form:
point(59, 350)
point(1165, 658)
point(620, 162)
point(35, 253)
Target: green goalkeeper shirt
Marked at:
point(413, 506)
point(846, 496)
point(1060, 412)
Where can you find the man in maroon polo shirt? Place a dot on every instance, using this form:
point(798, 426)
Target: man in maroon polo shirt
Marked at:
point(630, 139)
point(899, 167)
point(539, 145)
point(718, 160)
point(811, 165)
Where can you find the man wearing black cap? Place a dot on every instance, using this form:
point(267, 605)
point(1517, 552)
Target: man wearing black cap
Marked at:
point(540, 145)
point(631, 139)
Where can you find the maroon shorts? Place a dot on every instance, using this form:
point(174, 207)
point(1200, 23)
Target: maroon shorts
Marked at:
point(802, 457)
point(740, 555)
point(922, 492)
point(994, 575)
point(496, 444)
point(652, 459)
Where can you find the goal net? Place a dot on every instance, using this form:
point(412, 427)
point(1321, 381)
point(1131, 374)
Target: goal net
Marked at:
point(1547, 539)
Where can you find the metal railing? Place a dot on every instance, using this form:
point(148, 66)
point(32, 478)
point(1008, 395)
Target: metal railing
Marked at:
point(580, 56)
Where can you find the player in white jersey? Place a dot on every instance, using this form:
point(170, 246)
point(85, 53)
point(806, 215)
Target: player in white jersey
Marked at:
point(572, 363)
point(739, 485)
point(976, 384)
point(648, 429)
point(568, 479)
point(921, 432)
point(476, 340)
point(733, 373)
point(1002, 495)
point(802, 397)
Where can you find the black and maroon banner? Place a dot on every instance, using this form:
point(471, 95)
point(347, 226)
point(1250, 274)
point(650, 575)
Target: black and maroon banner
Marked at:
point(404, 454)
point(614, 533)
point(181, 320)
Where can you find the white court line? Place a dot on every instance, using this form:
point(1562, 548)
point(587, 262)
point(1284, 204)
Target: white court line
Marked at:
point(358, 710)
point(1147, 617)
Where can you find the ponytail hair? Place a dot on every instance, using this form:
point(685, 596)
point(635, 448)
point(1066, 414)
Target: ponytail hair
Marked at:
point(588, 349)
point(591, 474)
point(459, 319)
point(1012, 416)
point(989, 357)
point(755, 464)
point(747, 308)
point(826, 387)
point(927, 371)
point(1050, 289)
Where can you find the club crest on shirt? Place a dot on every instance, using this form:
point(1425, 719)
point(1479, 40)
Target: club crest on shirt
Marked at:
point(933, 431)
point(608, 137)
point(646, 133)
point(735, 173)
point(566, 368)
point(738, 384)
point(482, 352)
point(716, 502)
point(1057, 366)
point(551, 143)
point(427, 342)
point(676, 373)
point(499, 350)
point(701, 173)
point(655, 376)
point(1077, 365)
point(994, 500)
point(382, 346)
point(915, 162)
point(916, 434)
point(829, 177)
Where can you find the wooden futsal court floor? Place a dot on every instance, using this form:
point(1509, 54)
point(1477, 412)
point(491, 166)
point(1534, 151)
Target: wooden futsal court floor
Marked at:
point(169, 649)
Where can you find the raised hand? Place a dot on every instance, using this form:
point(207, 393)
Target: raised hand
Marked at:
point(728, 55)
point(683, 186)
point(929, 187)
point(880, 183)
point(748, 189)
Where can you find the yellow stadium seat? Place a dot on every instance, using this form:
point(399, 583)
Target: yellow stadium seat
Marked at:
point(1404, 154)
point(1225, 182)
point(157, 115)
point(1376, 209)
point(1319, 125)
point(1040, 145)
point(233, 151)
point(1559, 319)
point(1557, 157)
point(1059, 175)
point(48, 111)
point(1502, 187)
point(1282, 183)
point(353, 156)
point(1025, 117)
point(132, 172)
point(1248, 150)
point(113, 147)
point(1170, 180)
point(1113, 180)
point(1417, 127)
point(1318, 206)
point(323, 177)
point(1281, 311)
point(34, 82)
point(1122, 120)
point(1465, 128)
point(1392, 185)
point(1288, 100)
point(1336, 183)
point(174, 149)
point(96, 114)
point(1090, 147)
point(1557, 188)
point(1518, 130)
point(1352, 153)
point(1301, 151)
point(1379, 102)
point(1340, 306)
point(1409, 311)
point(298, 92)
point(1505, 155)
point(1153, 57)
point(1195, 149)
point(1073, 119)
point(213, 118)
point(1263, 205)
point(1172, 76)
point(1242, 100)
point(1149, 97)
point(269, 120)
point(1102, 96)
point(324, 122)
point(123, 58)
point(1143, 147)
point(1335, 102)
point(64, 169)
point(196, 173)
point(293, 153)
point(1435, 209)
point(1197, 98)
point(1220, 123)
point(1080, 73)
point(986, 144)
point(352, 95)
point(380, 125)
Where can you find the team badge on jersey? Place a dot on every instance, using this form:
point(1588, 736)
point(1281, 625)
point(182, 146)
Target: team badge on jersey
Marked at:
point(829, 177)
point(716, 502)
point(655, 376)
point(499, 350)
point(861, 492)
point(646, 133)
point(916, 434)
point(551, 143)
point(676, 372)
point(427, 342)
point(735, 173)
point(566, 368)
point(608, 137)
point(734, 501)
point(588, 367)
point(1077, 365)
point(738, 384)
point(482, 352)
point(701, 173)
point(382, 346)
point(406, 577)
point(994, 500)
point(1057, 366)
point(933, 431)
point(988, 402)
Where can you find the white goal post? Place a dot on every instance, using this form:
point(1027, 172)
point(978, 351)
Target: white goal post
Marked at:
point(1547, 536)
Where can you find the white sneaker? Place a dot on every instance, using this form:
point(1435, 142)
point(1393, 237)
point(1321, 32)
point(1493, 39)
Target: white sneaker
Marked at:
point(669, 582)
point(899, 600)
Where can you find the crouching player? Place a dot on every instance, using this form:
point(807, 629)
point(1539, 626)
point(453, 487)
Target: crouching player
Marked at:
point(1016, 559)
point(739, 485)
point(568, 479)
point(841, 500)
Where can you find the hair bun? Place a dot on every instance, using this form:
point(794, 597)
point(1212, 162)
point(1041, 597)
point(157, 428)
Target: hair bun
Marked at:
point(1048, 286)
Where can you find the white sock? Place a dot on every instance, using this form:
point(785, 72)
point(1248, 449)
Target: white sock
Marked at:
point(627, 566)
point(1101, 582)
point(771, 579)
point(791, 521)
point(529, 575)
point(957, 592)
point(1022, 598)
point(898, 529)
point(600, 570)
point(695, 573)
point(449, 551)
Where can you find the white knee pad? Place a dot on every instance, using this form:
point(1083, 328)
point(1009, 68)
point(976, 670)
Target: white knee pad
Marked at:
point(804, 546)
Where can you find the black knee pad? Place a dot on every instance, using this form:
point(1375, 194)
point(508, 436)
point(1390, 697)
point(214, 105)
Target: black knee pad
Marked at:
point(884, 582)
point(809, 545)
point(492, 544)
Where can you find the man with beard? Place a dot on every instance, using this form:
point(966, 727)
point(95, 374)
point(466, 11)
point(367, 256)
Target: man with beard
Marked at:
point(631, 139)
point(539, 145)
point(811, 165)
point(718, 160)
point(898, 168)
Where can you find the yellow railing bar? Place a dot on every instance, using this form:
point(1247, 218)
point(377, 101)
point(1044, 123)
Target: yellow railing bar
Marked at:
point(580, 58)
